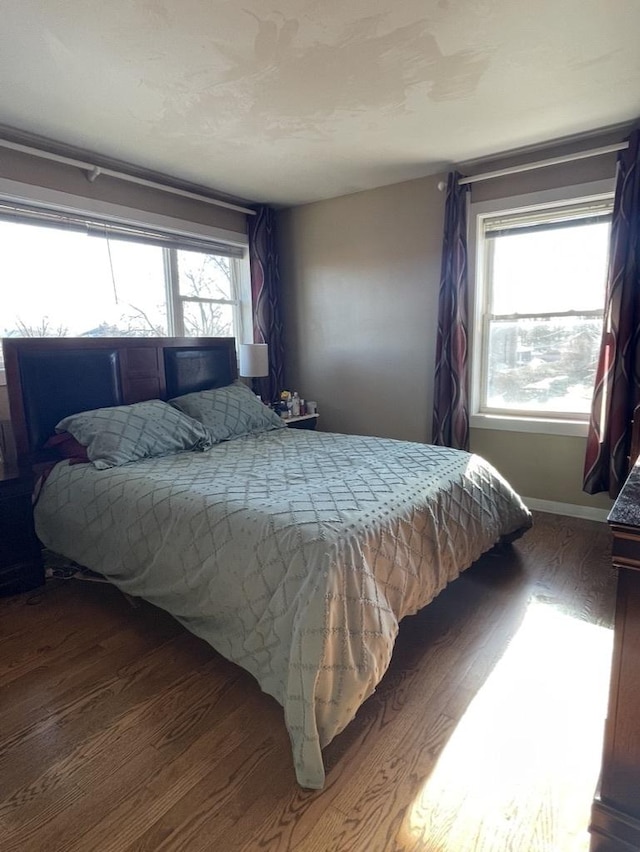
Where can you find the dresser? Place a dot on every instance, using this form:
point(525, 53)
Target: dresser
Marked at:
point(615, 815)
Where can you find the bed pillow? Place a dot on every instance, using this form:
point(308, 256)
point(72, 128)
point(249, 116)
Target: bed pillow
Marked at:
point(125, 433)
point(229, 412)
point(65, 446)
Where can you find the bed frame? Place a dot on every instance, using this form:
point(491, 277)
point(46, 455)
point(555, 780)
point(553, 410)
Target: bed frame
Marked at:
point(50, 378)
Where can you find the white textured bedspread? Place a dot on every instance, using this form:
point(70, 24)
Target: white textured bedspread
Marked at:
point(295, 554)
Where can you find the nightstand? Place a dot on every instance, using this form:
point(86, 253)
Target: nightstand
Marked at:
point(21, 567)
point(304, 421)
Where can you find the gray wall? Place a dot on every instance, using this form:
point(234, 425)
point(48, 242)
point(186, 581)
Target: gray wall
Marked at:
point(21, 167)
point(361, 276)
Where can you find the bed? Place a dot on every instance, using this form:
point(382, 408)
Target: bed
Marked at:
point(295, 554)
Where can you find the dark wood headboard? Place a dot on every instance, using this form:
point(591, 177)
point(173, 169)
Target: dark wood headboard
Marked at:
point(50, 378)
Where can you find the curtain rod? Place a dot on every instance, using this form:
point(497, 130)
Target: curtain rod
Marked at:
point(94, 171)
point(540, 164)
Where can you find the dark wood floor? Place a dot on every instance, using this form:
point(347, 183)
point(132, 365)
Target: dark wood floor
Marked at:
point(120, 731)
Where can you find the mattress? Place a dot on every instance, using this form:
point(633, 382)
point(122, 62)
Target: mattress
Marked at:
point(295, 554)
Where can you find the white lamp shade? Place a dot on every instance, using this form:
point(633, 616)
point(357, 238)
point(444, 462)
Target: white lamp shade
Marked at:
point(254, 360)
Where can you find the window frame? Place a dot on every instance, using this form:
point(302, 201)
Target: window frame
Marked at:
point(240, 301)
point(527, 421)
point(60, 202)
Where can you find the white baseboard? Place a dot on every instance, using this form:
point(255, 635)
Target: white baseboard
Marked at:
point(572, 510)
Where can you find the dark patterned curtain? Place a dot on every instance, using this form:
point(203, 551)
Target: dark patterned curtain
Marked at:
point(450, 396)
point(265, 295)
point(617, 387)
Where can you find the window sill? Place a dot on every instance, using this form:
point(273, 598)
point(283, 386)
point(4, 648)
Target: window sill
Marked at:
point(538, 425)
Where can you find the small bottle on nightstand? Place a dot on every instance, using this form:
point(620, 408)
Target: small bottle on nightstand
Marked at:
point(295, 407)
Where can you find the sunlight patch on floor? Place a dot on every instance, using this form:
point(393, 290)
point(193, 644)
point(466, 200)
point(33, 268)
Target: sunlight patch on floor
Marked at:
point(528, 750)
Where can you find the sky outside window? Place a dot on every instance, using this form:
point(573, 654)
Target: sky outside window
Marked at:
point(64, 278)
point(550, 270)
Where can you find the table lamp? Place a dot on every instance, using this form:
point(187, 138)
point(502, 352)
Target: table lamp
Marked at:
point(254, 362)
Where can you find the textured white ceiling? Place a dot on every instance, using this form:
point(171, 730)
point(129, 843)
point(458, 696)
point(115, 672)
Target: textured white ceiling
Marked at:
point(300, 100)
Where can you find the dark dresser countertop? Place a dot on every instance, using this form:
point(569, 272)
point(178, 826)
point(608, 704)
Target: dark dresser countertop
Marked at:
point(626, 509)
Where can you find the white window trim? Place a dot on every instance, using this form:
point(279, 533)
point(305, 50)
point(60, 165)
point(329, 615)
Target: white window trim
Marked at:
point(594, 191)
point(53, 199)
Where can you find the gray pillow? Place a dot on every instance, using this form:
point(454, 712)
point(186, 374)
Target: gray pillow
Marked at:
point(229, 412)
point(125, 433)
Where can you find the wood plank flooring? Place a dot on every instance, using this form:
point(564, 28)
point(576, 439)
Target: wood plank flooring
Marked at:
point(119, 731)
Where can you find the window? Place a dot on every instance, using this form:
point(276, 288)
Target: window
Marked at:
point(70, 276)
point(208, 301)
point(540, 282)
